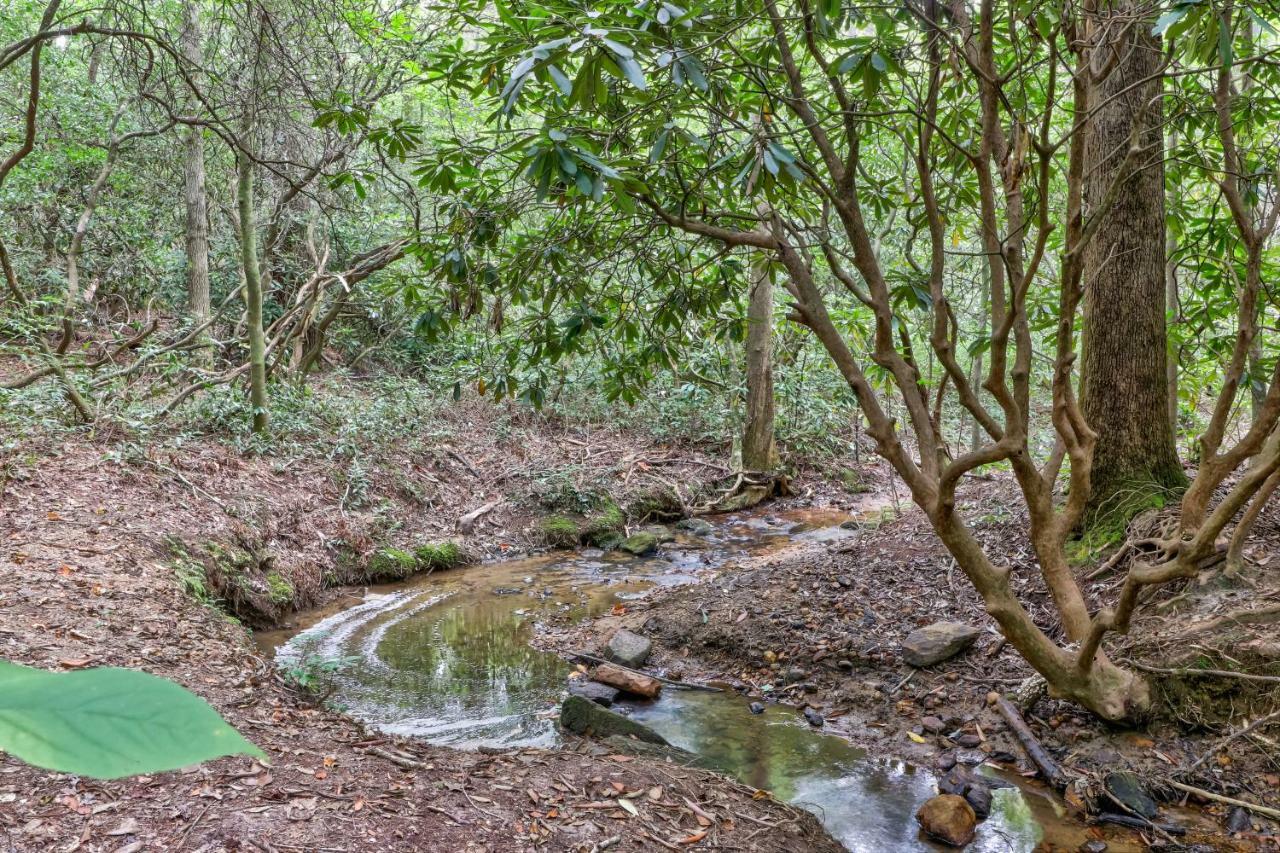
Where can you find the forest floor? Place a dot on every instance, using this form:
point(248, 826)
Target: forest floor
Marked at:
point(825, 633)
point(97, 535)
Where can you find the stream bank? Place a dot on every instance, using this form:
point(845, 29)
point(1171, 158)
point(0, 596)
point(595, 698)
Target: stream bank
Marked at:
point(448, 658)
point(87, 578)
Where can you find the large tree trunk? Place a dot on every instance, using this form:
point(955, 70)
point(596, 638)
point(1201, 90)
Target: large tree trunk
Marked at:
point(1125, 385)
point(252, 292)
point(759, 449)
point(197, 224)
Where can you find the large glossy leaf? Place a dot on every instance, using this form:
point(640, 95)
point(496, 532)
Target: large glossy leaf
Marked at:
point(109, 722)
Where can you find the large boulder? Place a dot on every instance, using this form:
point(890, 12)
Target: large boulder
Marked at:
point(937, 642)
point(581, 716)
point(949, 819)
point(636, 683)
point(628, 648)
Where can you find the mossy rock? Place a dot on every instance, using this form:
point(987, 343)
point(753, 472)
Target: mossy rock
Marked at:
point(559, 531)
point(604, 529)
point(640, 544)
point(852, 482)
point(657, 504)
point(606, 540)
point(437, 556)
point(584, 717)
point(391, 564)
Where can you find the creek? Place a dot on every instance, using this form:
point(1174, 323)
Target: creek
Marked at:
point(448, 658)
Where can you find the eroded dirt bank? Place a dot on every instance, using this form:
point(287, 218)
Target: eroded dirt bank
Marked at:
point(822, 627)
point(89, 575)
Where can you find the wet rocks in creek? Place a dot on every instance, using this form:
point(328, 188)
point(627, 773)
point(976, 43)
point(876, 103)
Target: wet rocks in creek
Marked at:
point(949, 819)
point(601, 694)
point(628, 648)
point(696, 526)
point(937, 642)
point(580, 715)
point(635, 683)
point(1128, 789)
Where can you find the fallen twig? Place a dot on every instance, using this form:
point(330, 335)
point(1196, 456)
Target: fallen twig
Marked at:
point(1049, 768)
point(1230, 801)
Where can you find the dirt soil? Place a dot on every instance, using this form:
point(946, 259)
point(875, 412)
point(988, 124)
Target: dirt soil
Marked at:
point(87, 578)
point(821, 627)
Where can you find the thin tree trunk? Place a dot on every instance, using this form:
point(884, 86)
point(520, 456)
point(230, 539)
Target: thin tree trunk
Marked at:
point(1125, 384)
point(197, 224)
point(759, 448)
point(252, 292)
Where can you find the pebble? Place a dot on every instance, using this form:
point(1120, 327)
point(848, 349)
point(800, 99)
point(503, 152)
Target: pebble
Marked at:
point(756, 708)
point(933, 725)
point(968, 741)
point(814, 718)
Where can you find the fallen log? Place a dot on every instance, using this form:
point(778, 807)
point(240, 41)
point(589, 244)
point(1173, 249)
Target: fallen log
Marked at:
point(1048, 768)
point(679, 685)
point(467, 523)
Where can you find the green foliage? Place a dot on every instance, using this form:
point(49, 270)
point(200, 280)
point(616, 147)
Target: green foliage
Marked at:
point(279, 589)
point(108, 723)
point(314, 676)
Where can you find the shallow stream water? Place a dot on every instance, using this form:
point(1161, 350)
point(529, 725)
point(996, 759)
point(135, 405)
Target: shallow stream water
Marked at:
point(447, 658)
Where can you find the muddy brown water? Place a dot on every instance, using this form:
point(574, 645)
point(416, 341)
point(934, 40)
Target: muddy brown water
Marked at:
point(447, 658)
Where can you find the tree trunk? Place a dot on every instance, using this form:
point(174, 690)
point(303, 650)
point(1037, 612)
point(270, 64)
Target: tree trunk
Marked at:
point(197, 224)
point(759, 449)
point(1125, 386)
point(252, 292)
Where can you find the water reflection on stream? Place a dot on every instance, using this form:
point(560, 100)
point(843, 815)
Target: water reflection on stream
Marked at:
point(448, 658)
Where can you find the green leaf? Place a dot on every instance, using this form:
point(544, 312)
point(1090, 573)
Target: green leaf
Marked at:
point(107, 723)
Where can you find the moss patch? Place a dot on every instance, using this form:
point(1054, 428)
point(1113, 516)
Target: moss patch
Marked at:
point(279, 589)
point(559, 531)
point(604, 529)
point(388, 564)
point(437, 556)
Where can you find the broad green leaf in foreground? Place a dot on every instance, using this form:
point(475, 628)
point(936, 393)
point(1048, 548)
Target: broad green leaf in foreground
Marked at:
point(107, 723)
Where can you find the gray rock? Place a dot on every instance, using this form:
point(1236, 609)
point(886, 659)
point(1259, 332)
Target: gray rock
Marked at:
point(581, 716)
point(1094, 846)
point(937, 642)
point(601, 694)
point(628, 648)
point(756, 708)
point(696, 526)
point(795, 673)
point(933, 725)
point(814, 718)
point(968, 741)
point(1127, 788)
point(979, 798)
point(1238, 820)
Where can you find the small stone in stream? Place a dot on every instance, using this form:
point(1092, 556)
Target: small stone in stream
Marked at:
point(851, 524)
point(814, 718)
point(956, 781)
point(696, 526)
point(1094, 846)
point(968, 741)
point(802, 527)
point(1004, 756)
point(628, 648)
point(601, 694)
point(937, 642)
point(581, 716)
point(979, 799)
point(1128, 789)
point(1238, 820)
point(640, 544)
point(756, 708)
point(932, 725)
point(971, 756)
point(795, 673)
point(627, 681)
point(845, 581)
point(845, 665)
point(949, 819)
point(946, 761)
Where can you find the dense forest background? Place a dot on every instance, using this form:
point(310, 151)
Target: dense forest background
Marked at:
point(1029, 239)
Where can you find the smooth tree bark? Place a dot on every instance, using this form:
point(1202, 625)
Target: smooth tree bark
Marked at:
point(759, 447)
point(1125, 383)
point(252, 291)
point(195, 198)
